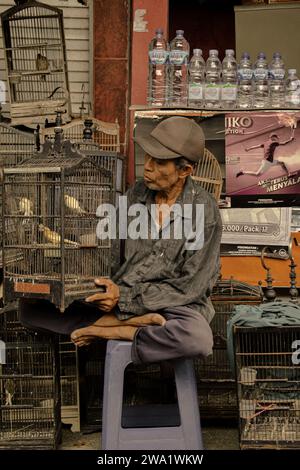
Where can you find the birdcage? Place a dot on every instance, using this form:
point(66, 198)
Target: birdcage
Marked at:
point(69, 383)
point(216, 382)
point(50, 226)
point(15, 145)
point(97, 139)
point(35, 56)
point(268, 377)
point(29, 388)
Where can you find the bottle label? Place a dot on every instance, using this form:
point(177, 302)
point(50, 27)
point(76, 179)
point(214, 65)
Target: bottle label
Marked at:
point(158, 57)
point(178, 57)
point(195, 91)
point(277, 74)
point(245, 74)
point(212, 92)
point(294, 98)
point(260, 74)
point(228, 92)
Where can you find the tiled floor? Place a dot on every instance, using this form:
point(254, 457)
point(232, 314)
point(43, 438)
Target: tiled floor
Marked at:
point(215, 438)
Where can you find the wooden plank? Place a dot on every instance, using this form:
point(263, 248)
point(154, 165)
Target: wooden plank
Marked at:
point(76, 29)
point(76, 23)
point(77, 34)
point(74, 66)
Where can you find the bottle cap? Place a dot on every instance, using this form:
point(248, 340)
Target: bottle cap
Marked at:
point(292, 71)
point(276, 55)
point(179, 32)
point(213, 51)
point(229, 51)
point(197, 51)
point(245, 55)
point(159, 31)
point(261, 55)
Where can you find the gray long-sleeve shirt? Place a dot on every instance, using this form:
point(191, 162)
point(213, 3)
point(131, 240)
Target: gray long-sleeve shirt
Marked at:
point(162, 273)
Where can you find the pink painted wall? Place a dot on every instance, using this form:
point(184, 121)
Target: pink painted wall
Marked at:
point(156, 16)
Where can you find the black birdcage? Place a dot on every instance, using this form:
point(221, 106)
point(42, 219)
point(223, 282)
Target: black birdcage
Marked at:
point(69, 382)
point(216, 383)
point(29, 387)
point(51, 247)
point(268, 378)
point(36, 61)
point(15, 145)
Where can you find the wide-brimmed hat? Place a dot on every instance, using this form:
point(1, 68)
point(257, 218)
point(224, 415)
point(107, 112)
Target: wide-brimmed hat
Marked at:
point(173, 137)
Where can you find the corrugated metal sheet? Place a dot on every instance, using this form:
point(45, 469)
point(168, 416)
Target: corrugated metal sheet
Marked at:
point(77, 21)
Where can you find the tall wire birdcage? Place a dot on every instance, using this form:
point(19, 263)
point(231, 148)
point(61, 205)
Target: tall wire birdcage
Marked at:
point(35, 55)
point(50, 224)
point(69, 383)
point(268, 387)
point(15, 147)
point(215, 379)
point(29, 388)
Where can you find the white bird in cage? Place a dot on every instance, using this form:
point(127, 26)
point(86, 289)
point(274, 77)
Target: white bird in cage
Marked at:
point(25, 206)
point(54, 237)
point(9, 387)
point(73, 204)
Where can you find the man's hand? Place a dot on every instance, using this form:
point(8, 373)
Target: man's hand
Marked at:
point(106, 301)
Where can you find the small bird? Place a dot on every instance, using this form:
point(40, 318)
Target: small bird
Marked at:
point(42, 63)
point(73, 204)
point(25, 206)
point(9, 387)
point(54, 237)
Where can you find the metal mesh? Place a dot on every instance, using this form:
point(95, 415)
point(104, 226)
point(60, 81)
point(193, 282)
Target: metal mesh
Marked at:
point(216, 382)
point(35, 57)
point(15, 146)
point(69, 383)
point(29, 393)
point(268, 387)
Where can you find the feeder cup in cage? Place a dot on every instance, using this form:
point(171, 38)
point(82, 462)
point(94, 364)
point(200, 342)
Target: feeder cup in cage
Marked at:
point(248, 376)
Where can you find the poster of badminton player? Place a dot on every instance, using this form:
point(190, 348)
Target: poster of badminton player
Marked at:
point(263, 157)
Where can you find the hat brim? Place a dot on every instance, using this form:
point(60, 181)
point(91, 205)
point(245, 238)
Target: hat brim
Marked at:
point(154, 148)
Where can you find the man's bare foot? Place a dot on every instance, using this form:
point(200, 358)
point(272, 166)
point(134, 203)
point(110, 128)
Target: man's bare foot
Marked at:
point(81, 337)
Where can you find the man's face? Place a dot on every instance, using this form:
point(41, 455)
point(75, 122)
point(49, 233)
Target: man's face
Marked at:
point(160, 174)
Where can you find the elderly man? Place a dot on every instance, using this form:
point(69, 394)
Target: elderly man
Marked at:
point(160, 296)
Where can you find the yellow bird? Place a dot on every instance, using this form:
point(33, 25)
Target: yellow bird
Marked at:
point(73, 204)
point(25, 206)
point(54, 237)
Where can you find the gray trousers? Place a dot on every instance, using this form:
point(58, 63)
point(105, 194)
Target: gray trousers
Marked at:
point(185, 334)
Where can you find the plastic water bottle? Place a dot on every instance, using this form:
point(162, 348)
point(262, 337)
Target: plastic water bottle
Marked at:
point(157, 74)
point(229, 80)
point(213, 80)
point(178, 70)
point(260, 82)
point(292, 90)
point(276, 81)
point(196, 78)
point(245, 74)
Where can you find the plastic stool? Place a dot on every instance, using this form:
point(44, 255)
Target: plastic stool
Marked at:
point(140, 429)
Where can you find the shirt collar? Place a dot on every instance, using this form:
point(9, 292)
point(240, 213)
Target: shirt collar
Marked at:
point(146, 195)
